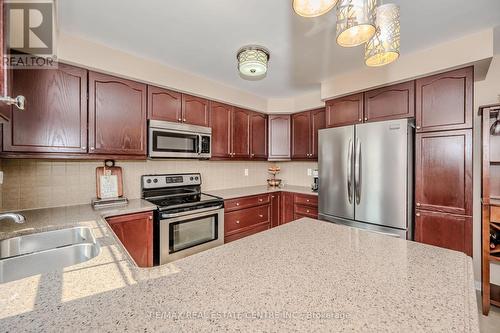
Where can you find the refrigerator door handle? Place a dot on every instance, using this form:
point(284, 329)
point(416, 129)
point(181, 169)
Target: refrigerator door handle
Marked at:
point(357, 172)
point(349, 170)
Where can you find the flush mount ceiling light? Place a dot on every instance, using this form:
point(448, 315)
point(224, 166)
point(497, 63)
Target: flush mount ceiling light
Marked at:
point(252, 62)
point(355, 22)
point(313, 8)
point(384, 46)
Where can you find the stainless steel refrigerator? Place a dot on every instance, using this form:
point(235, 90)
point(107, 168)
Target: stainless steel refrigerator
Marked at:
point(366, 176)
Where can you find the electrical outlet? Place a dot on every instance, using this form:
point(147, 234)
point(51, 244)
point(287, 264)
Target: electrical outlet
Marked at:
point(246, 172)
point(309, 172)
point(1, 177)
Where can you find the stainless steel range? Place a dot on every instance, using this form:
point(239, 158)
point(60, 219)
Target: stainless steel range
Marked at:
point(186, 221)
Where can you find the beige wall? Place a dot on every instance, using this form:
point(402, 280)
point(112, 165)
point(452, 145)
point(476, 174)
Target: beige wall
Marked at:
point(486, 92)
point(39, 183)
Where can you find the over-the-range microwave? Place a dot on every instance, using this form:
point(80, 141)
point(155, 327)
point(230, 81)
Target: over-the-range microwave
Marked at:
point(174, 140)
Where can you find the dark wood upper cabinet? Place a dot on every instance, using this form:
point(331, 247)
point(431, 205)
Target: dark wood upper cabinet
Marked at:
point(258, 135)
point(240, 133)
point(444, 101)
point(164, 104)
point(220, 120)
point(279, 137)
point(393, 102)
point(344, 111)
point(55, 115)
point(443, 171)
point(117, 115)
point(301, 135)
point(195, 110)
point(135, 232)
point(450, 231)
point(318, 121)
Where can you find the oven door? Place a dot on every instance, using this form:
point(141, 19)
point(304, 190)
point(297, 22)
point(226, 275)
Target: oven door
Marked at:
point(184, 234)
point(172, 143)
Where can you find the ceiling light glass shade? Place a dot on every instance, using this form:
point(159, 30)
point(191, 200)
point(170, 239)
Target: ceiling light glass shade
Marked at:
point(384, 46)
point(253, 62)
point(313, 8)
point(355, 22)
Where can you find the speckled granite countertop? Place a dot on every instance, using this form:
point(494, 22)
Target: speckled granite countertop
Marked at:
point(303, 276)
point(254, 190)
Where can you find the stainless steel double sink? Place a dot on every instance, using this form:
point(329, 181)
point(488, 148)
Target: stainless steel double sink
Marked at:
point(45, 252)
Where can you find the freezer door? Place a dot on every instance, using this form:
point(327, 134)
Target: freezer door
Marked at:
point(335, 167)
point(381, 171)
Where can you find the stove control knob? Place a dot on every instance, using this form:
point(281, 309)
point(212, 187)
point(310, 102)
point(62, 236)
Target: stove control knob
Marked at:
point(191, 178)
point(196, 178)
point(148, 181)
point(155, 180)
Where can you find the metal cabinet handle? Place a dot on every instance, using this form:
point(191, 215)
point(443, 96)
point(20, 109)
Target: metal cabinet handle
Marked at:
point(184, 120)
point(418, 127)
point(418, 214)
point(237, 204)
point(349, 171)
point(357, 172)
point(261, 200)
point(180, 119)
point(19, 102)
point(418, 204)
point(92, 148)
point(237, 222)
point(366, 118)
point(260, 215)
point(308, 211)
point(360, 119)
point(307, 200)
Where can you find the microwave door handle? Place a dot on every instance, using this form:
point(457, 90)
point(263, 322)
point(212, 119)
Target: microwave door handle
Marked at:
point(199, 144)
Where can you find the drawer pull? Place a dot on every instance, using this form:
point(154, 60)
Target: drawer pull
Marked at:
point(237, 204)
point(261, 199)
point(418, 214)
point(308, 211)
point(418, 204)
point(237, 221)
point(260, 215)
point(307, 200)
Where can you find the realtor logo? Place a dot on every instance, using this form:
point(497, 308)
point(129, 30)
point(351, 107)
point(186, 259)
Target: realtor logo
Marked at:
point(30, 34)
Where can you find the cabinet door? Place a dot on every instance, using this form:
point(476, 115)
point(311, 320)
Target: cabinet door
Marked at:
point(453, 232)
point(279, 137)
point(135, 232)
point(55, 118)
point(164, 104)
point(444, 101)
point(393, 102)
point(275, 209)
point(4, 88)
point(195, 110)
point(287, 207)
point(117, 115)
point(344, 111)
point(220, 120)
point(301, 135)
point(444, 172)
point(318, 122)
point(240, 133)
point(258, 135)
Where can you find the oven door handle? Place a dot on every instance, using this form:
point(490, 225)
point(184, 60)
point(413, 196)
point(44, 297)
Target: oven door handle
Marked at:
point(190, 212)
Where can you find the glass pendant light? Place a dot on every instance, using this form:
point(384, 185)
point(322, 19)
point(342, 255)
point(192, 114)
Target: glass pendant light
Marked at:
point(313, 8)
point(252, 62)
point(384, 47)
point(355, 22)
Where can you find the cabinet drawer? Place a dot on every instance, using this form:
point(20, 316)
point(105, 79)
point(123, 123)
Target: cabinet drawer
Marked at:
point(246, 233)
point(495, 214)
point(245, 218)
point(307, 211)
point(240, 203)
point(307, 200)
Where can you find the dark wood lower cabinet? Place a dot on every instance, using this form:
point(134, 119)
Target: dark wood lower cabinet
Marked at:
point(275, 209)
point(135, 231)
point(287, 207)
point(450, 231)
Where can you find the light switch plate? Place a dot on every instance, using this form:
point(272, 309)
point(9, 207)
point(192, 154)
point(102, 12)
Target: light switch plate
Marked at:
point(309, 172)
point(246, 172)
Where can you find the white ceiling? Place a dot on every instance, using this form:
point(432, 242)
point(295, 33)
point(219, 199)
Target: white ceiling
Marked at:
point(202, 36)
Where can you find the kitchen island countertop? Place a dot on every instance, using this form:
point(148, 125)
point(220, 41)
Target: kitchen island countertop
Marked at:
point(306, 275)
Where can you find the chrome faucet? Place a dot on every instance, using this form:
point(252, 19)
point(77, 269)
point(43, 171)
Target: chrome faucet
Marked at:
point(17, 218)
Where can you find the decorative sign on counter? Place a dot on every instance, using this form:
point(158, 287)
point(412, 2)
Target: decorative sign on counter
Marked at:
point(109, 184)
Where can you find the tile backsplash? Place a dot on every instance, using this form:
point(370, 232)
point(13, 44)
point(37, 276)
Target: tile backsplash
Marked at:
point(51, 183)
